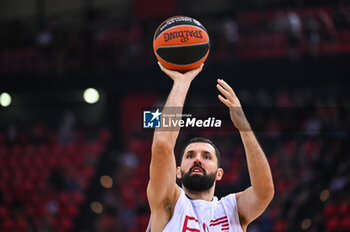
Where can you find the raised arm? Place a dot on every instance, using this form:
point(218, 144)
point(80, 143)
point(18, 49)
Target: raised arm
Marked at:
point(162, 191)
point(254, 200)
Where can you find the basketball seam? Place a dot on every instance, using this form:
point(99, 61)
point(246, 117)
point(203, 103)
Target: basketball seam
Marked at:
point(185, 45)
point(155, 38)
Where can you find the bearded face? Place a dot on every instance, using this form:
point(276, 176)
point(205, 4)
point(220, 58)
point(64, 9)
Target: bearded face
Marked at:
point(199, 167)
point(197, 179)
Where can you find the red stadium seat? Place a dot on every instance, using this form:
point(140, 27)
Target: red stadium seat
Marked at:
point(344, 209)
point(329, 210)
point(333, 224)
point(24, 177)
point(280, 226)
point(344, 224)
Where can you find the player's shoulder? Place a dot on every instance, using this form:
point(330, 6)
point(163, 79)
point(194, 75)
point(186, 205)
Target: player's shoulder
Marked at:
point(230, 200)
point(230, 196)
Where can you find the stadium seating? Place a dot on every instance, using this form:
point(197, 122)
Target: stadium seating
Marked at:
point(43, 185)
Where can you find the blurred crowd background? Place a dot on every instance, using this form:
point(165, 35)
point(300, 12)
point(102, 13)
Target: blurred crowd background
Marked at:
point(72, 165)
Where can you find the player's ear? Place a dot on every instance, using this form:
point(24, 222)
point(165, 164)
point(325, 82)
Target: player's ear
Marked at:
point(219, 174)
point(178, 172)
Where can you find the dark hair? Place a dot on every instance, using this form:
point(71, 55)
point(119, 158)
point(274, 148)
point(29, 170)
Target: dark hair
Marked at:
point(202, 140)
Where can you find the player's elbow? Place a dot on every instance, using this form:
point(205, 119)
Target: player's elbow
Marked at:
point(269, 193)
point(266, 193)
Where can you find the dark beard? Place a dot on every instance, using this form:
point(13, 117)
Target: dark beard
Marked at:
point(198, 183)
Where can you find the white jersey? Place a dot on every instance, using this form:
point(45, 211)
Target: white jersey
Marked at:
point(204, 216)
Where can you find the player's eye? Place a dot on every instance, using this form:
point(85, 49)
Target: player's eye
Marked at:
point(189, 156)
point(207, 157)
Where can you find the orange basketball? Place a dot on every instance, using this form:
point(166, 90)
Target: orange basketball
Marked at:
point(181, 43)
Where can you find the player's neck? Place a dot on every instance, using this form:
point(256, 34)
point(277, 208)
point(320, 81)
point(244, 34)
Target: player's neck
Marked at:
point(205, 195)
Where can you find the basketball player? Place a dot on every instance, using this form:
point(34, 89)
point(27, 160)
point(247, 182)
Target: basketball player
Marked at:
point(194, 206)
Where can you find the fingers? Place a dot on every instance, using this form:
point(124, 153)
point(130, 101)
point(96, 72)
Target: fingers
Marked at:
point(175, 74)
point(223, 100)
point(167, 71)
point(231, 99)
point(195, 72)
point(161, 66)
point(224, 92)
point(227, 87)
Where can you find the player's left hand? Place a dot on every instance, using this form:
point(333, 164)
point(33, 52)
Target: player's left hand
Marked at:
point(232, 102)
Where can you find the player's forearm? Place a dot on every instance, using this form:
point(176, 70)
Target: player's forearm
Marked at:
point(258, 166)
point(173, 106)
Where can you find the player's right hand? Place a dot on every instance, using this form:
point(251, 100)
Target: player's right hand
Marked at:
point(182, 77)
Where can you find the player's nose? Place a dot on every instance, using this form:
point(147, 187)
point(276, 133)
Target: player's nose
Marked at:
point(198, 162)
